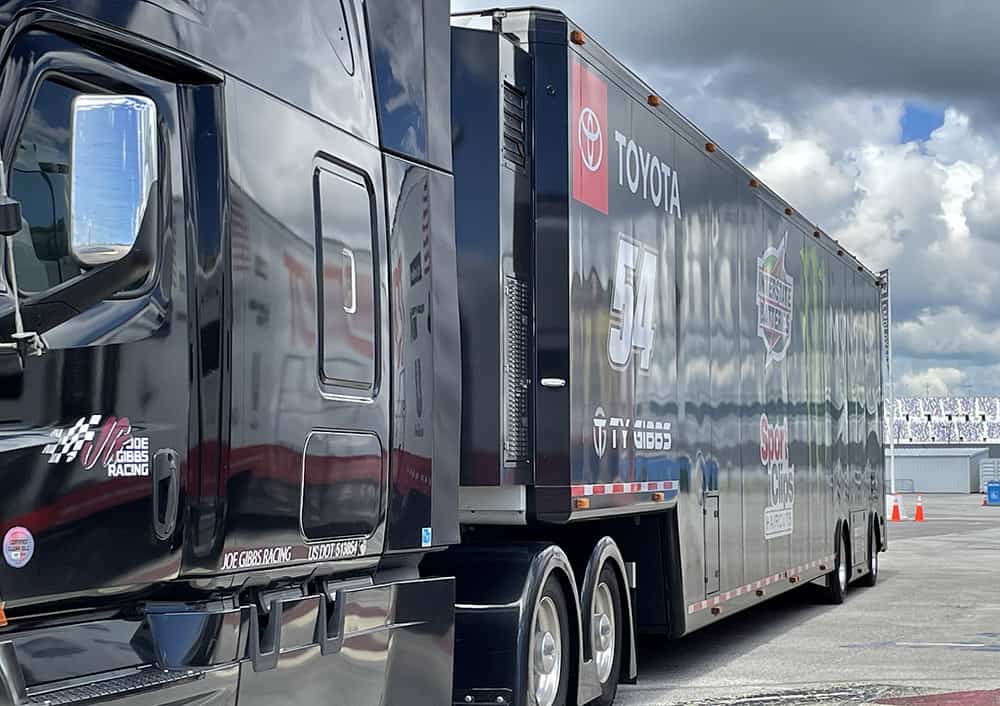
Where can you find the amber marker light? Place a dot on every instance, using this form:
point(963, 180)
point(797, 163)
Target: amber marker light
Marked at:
point(710, 147)
point(754, 183)
point(658, 497)
point(653, 100)
point(582, 503)
point(576, 36)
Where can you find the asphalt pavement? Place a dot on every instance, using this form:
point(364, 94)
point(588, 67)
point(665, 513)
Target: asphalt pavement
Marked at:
point(930, 626)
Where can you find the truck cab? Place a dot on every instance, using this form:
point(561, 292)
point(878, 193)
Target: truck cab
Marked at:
point(227, 447)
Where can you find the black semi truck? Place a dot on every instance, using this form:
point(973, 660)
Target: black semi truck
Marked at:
point(352, 353)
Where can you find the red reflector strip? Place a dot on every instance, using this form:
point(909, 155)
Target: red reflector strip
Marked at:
point(622, 488)
point(755, 585)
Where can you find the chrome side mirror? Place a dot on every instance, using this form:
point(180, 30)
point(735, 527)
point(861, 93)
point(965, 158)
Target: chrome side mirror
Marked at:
point(113, 168)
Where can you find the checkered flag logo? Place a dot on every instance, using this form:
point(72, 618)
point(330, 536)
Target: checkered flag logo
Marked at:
point(69, 442)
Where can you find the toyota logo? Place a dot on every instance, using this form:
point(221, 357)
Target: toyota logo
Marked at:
point(590, 138)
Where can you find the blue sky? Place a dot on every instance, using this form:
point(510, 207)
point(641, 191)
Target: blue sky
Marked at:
point(919, 121)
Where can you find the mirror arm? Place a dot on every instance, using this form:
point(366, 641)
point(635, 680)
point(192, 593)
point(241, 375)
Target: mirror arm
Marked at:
point(46, 310)
point(24, 343)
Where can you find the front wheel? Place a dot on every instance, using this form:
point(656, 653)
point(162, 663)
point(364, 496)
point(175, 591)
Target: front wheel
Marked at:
point(836, 580)
point(548, 647)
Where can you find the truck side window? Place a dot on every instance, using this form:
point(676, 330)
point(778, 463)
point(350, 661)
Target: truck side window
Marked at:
point(40, 180)
point(346, 280)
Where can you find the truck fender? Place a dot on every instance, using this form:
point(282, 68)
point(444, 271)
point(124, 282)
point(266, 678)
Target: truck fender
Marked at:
point(878, 521)
point(838, 536)
point(552, 559)
point(606, 551)
point(496, 590)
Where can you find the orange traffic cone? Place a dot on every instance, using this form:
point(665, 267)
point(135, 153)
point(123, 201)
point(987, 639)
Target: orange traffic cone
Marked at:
point(895, 509)
point(919, 515)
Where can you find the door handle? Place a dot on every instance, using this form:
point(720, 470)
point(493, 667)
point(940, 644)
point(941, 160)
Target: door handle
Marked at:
point(166, 493)
point(353, 289)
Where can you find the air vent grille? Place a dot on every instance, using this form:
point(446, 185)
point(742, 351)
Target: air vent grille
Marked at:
point(515, 145)
point(516, 370)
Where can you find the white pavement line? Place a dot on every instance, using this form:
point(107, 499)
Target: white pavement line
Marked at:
point(940, 644)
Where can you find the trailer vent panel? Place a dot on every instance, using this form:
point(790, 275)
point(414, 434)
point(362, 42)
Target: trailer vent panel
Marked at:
point(515, 145)
point(515, 370)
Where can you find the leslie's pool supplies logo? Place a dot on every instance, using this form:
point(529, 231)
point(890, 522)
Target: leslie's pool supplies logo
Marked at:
point(775, 290)
point(590, 121)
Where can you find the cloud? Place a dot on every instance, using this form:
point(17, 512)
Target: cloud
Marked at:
point(932, 382)
point(817, 115)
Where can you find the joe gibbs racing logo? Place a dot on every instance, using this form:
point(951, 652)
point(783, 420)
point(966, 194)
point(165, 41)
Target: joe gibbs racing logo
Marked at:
point(109, 444)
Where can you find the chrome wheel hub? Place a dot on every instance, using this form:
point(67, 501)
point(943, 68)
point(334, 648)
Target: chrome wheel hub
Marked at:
point(546, 653)
point(603, 626)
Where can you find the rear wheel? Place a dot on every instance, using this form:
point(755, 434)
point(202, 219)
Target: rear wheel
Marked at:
point(871, 578)
point(606, 633)
point(548, 647)
point(836, 580)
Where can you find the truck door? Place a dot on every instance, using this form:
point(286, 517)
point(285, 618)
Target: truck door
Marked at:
point(93, 434)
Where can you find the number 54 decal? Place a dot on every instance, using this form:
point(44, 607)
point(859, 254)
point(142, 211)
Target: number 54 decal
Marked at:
point(632, 301)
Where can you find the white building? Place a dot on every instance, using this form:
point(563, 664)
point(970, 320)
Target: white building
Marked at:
point(936, 469)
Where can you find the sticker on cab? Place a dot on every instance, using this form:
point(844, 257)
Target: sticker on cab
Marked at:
point(18, 546)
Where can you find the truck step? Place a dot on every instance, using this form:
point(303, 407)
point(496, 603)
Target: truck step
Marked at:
point(138, 680)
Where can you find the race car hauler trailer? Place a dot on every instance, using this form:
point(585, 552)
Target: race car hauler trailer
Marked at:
point(350, 358)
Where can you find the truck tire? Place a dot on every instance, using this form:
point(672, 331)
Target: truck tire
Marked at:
point(837, 580)
point(871, 578)
point(607, 633)
point(549, 647)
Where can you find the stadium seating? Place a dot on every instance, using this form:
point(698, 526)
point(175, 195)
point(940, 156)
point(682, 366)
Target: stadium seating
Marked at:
point(946, 420)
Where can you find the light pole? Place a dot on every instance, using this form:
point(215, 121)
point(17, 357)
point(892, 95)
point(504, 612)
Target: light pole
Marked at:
point(886, 310)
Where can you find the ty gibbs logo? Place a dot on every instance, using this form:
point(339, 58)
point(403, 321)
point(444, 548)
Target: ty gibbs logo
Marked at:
point(775, 290)
point(780, 478)
point(110, 444)
point(645, 434)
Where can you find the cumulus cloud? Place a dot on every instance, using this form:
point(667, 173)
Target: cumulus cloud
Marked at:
point(817, 115)
point(931, 382)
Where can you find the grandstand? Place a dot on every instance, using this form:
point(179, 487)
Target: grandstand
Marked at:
point(946, 420)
